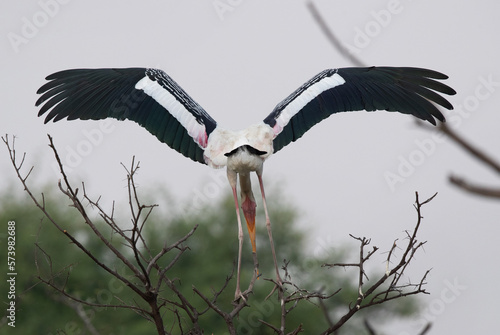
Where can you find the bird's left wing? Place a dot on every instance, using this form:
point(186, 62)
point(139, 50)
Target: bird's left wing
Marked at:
point(144, 95)
point(403, 89)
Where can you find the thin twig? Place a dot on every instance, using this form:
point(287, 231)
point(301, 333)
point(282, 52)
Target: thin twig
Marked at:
point(393, 291)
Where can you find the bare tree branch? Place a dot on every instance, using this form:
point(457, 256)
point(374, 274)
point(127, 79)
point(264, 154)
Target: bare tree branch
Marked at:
point(475, 189)
point(470, 148)
point(150, 279)
point(482, 157)
point(371, 297)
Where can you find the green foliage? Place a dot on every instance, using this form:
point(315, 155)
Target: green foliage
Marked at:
point(42, 249)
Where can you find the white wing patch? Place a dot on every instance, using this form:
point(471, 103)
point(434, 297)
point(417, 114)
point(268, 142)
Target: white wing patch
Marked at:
point(196, 130)
point(304, 98)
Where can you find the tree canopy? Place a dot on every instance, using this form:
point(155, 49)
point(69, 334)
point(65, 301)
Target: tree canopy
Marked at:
point(43, 251)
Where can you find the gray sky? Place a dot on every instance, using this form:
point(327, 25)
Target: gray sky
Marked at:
point(238, 64)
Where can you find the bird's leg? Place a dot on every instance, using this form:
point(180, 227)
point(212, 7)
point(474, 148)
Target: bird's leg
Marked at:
point(248, 205)
point(232, 177)
point(268, 226)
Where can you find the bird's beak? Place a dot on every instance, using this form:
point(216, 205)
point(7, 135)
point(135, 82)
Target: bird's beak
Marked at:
point(248, 207)
point(251, 229)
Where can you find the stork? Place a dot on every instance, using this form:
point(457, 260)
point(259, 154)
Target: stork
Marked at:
point(156, 102)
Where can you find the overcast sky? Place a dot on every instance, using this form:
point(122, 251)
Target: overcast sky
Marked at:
point(353, 173)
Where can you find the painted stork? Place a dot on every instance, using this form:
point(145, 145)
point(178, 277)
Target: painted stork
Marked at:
point(156, 102)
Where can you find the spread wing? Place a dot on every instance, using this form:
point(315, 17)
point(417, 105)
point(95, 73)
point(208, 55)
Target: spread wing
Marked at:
point(403, 89)
point(147, 96)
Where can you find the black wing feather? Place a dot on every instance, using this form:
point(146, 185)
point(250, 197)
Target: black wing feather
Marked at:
point(94, 94)
point(404, 89)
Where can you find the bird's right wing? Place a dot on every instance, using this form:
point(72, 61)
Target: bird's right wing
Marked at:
point(403, 89)
point(147, 96)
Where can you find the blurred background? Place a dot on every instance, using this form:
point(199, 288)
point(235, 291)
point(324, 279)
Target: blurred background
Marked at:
point(355, 173)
